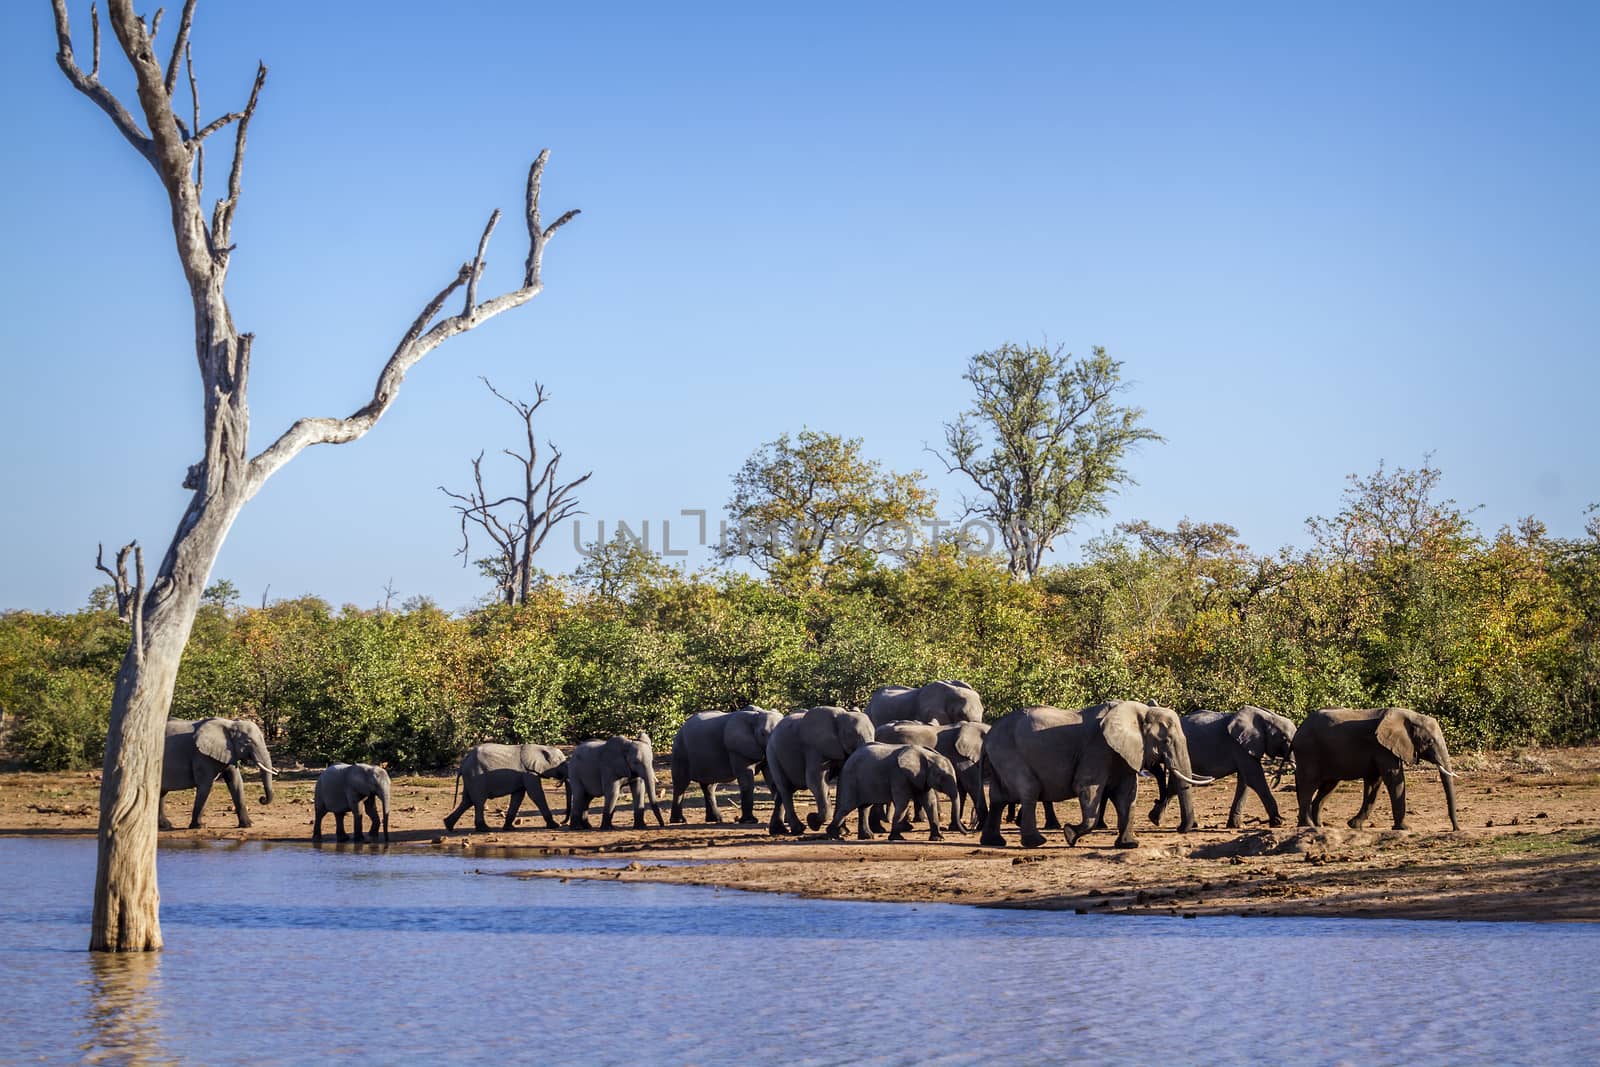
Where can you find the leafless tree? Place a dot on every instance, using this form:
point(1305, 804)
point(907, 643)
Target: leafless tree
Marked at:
point(517, 523)
point(227, 475)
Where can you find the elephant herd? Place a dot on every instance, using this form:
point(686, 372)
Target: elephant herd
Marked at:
point(887, 766)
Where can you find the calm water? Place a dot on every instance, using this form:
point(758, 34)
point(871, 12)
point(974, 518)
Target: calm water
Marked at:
point(285, 954)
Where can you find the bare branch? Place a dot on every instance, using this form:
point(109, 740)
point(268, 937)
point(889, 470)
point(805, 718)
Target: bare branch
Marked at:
point(222, 214)
point(128, 597)
point(180, 47)
point(477, 265)
point(537, 235)
point(89, 84)
point(194, 141)
point(94, 21)
point(155, 28)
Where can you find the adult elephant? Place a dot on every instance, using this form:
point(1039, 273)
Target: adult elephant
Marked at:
point(199, 751)
point(721, 746)
point(598, 769)
point(962, 744)
point(1050, 754)
point(514, 771)
point(803, 750)
point(1224, 743)
point(343, 788)
point(1370, 745)
point(937, 702)
point(901, 776)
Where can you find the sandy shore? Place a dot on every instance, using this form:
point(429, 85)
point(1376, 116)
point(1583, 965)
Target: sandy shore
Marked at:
point(1529, 848)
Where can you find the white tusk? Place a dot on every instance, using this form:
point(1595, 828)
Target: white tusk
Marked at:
point(269, 770)
point(1192, 781)
point(1452, 774)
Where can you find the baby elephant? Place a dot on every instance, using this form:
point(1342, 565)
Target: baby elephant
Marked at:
point(342, 788)
point(901, 775)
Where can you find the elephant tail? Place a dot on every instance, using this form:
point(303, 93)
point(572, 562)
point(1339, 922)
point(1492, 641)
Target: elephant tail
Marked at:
point(455, 791)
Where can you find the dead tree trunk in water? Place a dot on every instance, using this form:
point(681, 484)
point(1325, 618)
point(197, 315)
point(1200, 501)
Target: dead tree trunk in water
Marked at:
point(126, 902)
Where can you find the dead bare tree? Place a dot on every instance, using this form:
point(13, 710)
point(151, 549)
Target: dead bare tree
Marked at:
point(516, 524)
point(126, 914)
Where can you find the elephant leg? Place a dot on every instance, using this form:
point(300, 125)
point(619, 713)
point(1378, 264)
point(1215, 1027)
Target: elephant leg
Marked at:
point(1251, 776)
point(1028, 815)
point(863, 829)
point(577, 806)
point(1305, 792)
point(461, 809)
point(1396, 781)
point(1122, 796)
point(512, 808)
point(1369, 794)
point(1163, 795)
point(747, 796)
point(1236, 808)
point(535, 789)
point(878, 817)
point(1090, 798)
point(992, 836)
point(1319, 795)
point(816, 781)
point(930, 808)
point(709, 791)
point(784, 820)
point(636, 796)
point(162, 822)
point(372, 816)
point(235, 782)
point(900, 793)
point(202, 790)
point(353, 803)
point(1051, 820)
point(338, 827)
point(318, 814)
point(479, 823)
point(680, 785)
point(613, 791)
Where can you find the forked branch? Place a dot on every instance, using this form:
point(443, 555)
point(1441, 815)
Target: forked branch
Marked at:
point(130, 597)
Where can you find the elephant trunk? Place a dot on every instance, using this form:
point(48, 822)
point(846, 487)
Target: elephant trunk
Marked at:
point(1447, 780)
point(383, 801)
point(263, 758)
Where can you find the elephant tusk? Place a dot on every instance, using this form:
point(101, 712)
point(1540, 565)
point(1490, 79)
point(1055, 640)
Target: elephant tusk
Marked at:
point(267, 770)
point(1451, 774)
point(1202, 780)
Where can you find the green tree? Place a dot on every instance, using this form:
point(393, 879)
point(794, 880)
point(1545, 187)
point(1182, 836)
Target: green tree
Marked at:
point(1044, 443)
point(807, 509)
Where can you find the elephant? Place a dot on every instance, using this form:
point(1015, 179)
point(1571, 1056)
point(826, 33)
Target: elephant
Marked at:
point(962, 744)
point(901, 775)
point(342, 788)
point(804, 748)
point(721, 746)
point(198, 752)
point(598, 769)
point(506, 770)
point(937, 702)
point(1049, 754)
point(1342, 744)
point(1224, 743)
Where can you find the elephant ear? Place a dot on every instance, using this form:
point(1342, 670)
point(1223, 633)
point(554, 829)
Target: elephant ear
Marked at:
point(1245, 728)
point(1119, 725)
point(211, 740)
point(1394, 734)
point(969, 742)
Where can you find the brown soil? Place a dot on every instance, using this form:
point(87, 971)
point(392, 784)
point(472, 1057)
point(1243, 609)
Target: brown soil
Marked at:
point(1529, 849)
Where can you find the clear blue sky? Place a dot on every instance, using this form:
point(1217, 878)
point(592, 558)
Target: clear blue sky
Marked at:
point(1319, 237)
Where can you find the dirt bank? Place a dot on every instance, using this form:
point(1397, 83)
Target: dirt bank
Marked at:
point(1529, 849)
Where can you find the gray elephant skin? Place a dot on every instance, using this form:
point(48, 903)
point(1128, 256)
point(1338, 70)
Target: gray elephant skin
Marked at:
point(199, 751)
point(1050, 754)
point(937, 702)
point(902, 776)
point(1371, 746)
point(803, 750)
point(514, 771)
point(962, 744)
point(1224, 743)
point(714, 747)
point(343, 789)
point(598, 769)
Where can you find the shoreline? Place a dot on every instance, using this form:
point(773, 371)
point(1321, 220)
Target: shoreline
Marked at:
point(1528, 850)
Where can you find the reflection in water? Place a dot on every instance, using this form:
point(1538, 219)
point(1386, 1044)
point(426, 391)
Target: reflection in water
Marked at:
point(288, 954)
point(124, 1013)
